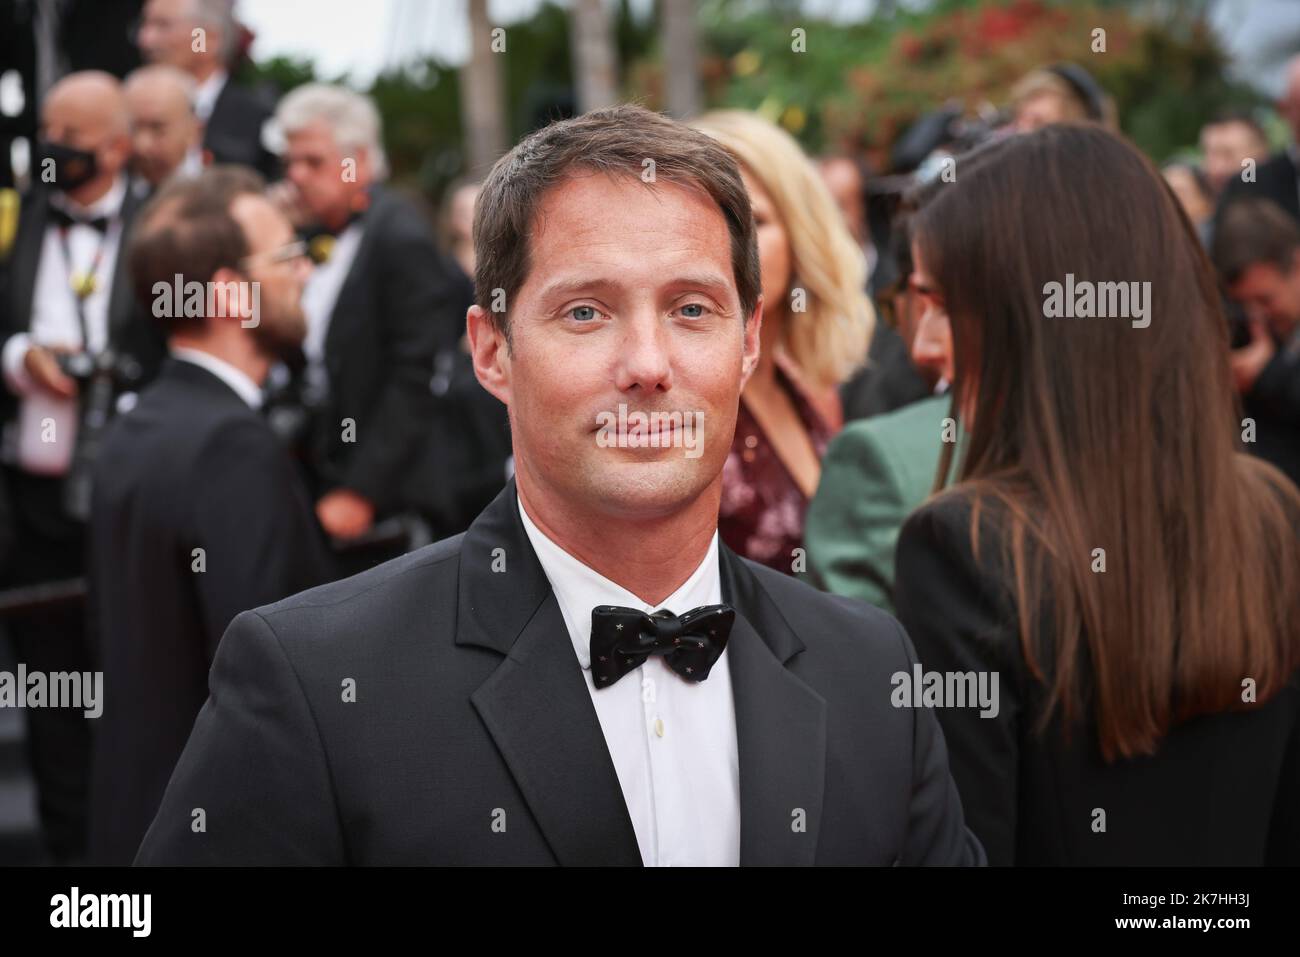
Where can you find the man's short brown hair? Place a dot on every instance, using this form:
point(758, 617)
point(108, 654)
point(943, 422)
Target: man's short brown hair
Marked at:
point(1253, 231)
point(619, 141)
point(187, 229)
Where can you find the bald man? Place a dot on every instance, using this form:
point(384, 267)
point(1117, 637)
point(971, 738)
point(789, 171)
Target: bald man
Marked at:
point(1278, 178)
point(200, 37)
point(165, 132)
point(65, 298)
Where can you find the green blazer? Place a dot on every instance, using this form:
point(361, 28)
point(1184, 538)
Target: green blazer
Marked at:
point(875, 473)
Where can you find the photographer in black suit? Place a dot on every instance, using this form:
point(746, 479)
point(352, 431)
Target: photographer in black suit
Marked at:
point(199, 513)
point(74, 343)
point(506, 696)
point(380, 303)
point(1257, 254)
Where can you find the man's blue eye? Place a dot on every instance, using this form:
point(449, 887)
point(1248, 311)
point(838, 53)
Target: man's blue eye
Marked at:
point(583, 313)
point(693, 315)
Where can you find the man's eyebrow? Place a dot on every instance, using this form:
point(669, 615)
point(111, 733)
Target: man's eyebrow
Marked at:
point(708, 281)
point(711, 281)
point(578, 284)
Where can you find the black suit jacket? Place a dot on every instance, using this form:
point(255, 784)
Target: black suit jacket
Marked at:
point(191, 466)
point(398, 305)
point(470, 703)
point(1273, 402)
point(1221, 789)
point(233, 133)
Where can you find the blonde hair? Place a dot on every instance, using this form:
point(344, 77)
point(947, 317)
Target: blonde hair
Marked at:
point(828, 340)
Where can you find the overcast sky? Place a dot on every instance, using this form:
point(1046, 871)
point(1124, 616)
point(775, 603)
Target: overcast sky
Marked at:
point(362, 37)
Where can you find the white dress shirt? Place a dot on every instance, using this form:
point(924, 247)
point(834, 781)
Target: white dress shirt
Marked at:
point(320, 294)
point(238, 380)
point(672, 741)
point(206, 93)
point(53, 322)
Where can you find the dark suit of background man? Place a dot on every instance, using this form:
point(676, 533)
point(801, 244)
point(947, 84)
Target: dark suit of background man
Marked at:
point(1278, 178)
point(1256, 251)
point(233, 117)
point(454, 706)
point(192, 466)
point(379, 306)
point(63, 289)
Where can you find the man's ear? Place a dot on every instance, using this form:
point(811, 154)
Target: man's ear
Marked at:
point(487, 346)
point(224, 281)
point(752, 342)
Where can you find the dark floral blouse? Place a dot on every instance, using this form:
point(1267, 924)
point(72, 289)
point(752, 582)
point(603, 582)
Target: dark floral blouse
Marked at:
point(762, 512)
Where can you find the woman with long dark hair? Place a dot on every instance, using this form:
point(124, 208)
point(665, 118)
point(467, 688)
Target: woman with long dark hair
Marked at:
point(1108, 552)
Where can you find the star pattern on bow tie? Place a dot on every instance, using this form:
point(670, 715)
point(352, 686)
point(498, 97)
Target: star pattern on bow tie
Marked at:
point(690, 644)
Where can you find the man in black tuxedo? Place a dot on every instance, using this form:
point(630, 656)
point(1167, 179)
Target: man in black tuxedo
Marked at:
point(380, 303)
point(1278, 178)
point(199, 513)
point(233, 118)
point(506, 696)
point(1257, 254)
point(65, 298)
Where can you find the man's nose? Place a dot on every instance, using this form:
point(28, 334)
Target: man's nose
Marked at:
point(645, 360)
point(927, 345)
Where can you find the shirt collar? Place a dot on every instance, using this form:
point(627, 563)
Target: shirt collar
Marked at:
point(107, 206)
point(578, 588)
point(207, 92)
point(239, 381)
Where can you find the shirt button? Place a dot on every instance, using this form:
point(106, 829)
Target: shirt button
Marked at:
point(659, 727)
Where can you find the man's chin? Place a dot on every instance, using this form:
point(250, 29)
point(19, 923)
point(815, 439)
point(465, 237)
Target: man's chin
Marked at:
point(648, 487)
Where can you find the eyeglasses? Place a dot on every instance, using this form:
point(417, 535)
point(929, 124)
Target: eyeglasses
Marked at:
point(286, 253)
point(927, 294)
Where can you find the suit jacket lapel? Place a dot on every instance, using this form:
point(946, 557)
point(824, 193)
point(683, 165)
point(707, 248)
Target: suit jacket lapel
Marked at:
point(121, 297)
point(536, 705)
point(344, 310)
point(780, 728)
point(25, 258)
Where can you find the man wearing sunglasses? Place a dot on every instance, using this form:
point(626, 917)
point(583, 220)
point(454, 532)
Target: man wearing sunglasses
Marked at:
point(198, 511)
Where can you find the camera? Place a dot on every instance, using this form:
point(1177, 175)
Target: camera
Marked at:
point(100, 377)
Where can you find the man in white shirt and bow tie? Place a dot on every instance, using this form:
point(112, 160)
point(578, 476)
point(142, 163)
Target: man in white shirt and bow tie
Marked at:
point(586, 676)
point(64, 297)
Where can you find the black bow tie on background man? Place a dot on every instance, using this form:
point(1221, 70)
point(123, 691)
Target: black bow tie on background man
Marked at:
point(61, 217)
point(623, 638)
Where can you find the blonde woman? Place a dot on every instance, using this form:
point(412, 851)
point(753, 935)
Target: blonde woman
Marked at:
point(817, 324)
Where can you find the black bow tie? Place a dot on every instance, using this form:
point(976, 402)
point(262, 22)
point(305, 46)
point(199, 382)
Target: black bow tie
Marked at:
point(623, 638)
point(61, 217)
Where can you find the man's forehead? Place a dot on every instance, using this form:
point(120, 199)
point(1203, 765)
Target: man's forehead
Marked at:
point(616, 231)
point(315, 136)
point(261, 221)
point(624, 212)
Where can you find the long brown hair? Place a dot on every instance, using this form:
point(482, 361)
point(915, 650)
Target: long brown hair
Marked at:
point(1094, 433)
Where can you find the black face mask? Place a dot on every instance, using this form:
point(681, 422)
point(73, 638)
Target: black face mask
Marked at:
point(72, 167)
